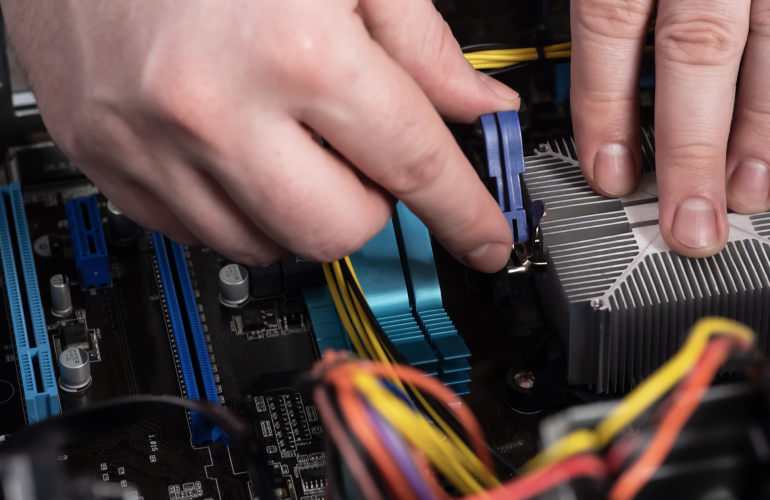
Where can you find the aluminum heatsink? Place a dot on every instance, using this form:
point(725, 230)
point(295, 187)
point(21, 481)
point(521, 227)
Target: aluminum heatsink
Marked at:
point(620, 299)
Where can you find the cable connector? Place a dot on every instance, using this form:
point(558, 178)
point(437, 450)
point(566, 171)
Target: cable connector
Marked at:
point(505, 163)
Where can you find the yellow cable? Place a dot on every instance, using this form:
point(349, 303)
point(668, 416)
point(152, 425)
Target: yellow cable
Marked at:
point(351, 309)
point(463, 452)
point(417, 430)
point(645, 395)
point(503, 58)
point(341, 311)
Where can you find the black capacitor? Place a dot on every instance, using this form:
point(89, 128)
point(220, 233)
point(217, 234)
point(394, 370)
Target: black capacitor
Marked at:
point(122, 230)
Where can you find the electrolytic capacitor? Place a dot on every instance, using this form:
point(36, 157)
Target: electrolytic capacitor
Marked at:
point(122, 230)
point(74, 369)
point(233, 285)
point(61, 300)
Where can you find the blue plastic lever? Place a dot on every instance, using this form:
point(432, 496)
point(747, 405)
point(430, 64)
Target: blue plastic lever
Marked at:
point(505, 162)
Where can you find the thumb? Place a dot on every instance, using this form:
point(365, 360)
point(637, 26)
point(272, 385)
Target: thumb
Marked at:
point(414, 34)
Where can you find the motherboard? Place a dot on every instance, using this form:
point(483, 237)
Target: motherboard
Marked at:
point(97, 308)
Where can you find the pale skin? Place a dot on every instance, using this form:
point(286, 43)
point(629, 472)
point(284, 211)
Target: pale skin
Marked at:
point(197, 117)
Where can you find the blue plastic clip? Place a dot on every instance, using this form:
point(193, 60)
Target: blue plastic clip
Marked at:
point(505, 162)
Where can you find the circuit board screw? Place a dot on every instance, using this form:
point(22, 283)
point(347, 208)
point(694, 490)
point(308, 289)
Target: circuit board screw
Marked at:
point(543, 148)
point(524, 379)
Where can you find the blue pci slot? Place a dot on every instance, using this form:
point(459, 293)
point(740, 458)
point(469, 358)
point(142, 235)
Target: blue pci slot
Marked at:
point(200, 429)
point(41, 394)
point(210, 387)
point(87, 237)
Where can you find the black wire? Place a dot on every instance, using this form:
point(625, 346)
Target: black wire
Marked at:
point(359, 449)
point(435, 405)
point(489, 46)
point(526, 65)
point(97, 419)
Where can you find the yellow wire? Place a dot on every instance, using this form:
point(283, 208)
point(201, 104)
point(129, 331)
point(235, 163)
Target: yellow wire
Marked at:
point(502, 58)
point(461, 451)
point(351, 308)
point(645, 395)
point(414, 426)
point(341, 311)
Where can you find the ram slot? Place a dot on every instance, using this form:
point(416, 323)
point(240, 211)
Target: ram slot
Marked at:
point(35, 363)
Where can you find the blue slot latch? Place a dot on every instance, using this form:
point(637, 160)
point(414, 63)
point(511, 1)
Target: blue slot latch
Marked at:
point(505, 164)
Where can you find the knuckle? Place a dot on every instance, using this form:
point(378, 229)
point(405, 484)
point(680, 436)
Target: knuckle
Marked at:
point(760, 18)
point(420, 169)
point(345, 241)
point(615, 19)
point(695, 162)
point(701, 42)
point(184, 98)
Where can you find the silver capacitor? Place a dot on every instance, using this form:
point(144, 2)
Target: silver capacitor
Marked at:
point(74, 369)
point(61, 300)
point(122, 230)
point(233, 285)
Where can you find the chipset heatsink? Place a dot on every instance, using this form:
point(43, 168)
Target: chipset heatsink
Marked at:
point(621, 300)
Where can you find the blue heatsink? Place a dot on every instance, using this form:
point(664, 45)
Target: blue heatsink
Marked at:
point(398, 275)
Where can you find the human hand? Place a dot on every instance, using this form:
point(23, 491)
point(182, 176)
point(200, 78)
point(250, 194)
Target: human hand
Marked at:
point(196, 119)
point(698, 50)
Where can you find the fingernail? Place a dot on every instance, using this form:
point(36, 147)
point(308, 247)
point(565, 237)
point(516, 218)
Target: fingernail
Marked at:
point(498, 87)
point(750, 183)
point(695, 224)
point(489, 257)
point(614, 169)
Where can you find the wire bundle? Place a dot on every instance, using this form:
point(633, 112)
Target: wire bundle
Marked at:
point(499, 56)
point(396, 433)
point(387, 399)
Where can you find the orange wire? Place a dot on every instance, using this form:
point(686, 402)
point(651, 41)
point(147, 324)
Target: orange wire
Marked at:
point(427, 384)
point(682, 408)
point(352, 460)
point(357, 418)
point(543, 480)
point(426, 470)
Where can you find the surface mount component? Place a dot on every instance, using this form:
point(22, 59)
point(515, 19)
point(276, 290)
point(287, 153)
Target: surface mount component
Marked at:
point(233, 285)
point(74, 369)
point(75, 335)
point(621, 300)
point(61, 300)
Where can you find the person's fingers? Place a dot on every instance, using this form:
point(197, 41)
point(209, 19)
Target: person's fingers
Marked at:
point(698, 46)
point(383, 123)
point(303, 196)
point(414, 34)
point(209, 213)
point(146, 209)
point(748, 152)
point(607, 43)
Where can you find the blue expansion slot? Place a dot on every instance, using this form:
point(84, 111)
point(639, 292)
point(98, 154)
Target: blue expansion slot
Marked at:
point(41, 402)
point(87, 237)
point(200, 429)
point(201, 350)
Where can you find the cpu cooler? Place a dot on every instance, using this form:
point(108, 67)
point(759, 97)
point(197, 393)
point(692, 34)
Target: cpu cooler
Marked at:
point(620, 299)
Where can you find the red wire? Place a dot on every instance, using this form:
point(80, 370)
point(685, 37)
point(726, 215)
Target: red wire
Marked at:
point(359, 422)
point(686, 400)
point(427, 384)
point(352, 460)
point(546, 479)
